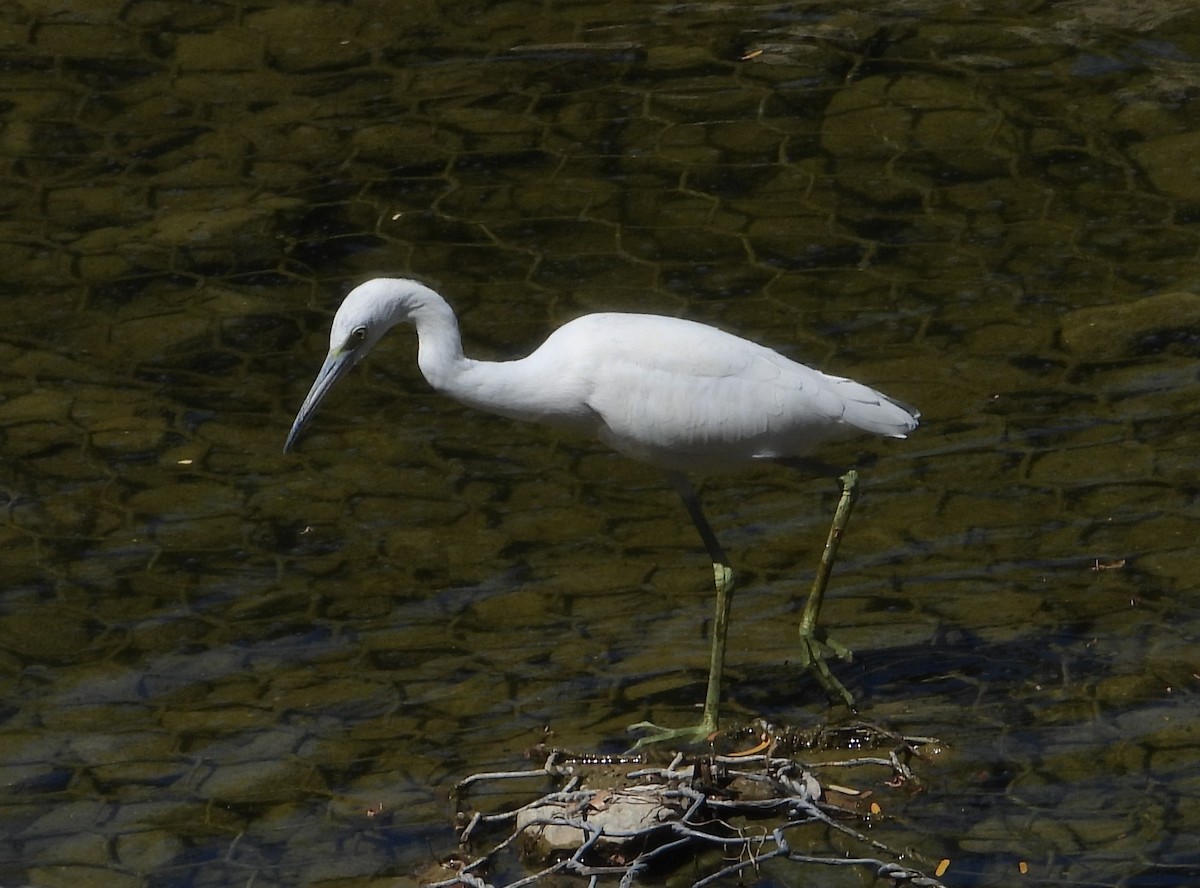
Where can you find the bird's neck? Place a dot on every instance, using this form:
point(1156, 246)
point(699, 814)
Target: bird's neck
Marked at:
point(516, 389)
point(439, 345)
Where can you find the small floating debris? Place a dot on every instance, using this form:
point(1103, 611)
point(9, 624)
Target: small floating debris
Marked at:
point(618, 53)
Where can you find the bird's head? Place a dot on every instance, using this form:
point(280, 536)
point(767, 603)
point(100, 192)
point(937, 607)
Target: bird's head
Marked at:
point(367, 312)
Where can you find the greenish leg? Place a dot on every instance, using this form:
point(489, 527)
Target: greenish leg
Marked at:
point(814, 641)
point(723, 580)
point(723, 576)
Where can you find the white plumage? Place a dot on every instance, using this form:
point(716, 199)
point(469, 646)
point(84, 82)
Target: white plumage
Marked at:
point(679, 395)
point(673, 393)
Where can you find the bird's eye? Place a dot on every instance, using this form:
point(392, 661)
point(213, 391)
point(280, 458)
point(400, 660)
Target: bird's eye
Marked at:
point(359, 333)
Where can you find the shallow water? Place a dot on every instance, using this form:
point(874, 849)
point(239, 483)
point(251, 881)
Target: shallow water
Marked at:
point(219, 659)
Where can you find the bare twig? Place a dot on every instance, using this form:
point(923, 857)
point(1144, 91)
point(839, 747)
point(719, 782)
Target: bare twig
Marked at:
point(615, 819)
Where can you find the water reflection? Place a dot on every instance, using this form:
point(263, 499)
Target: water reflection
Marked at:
point(220, 659)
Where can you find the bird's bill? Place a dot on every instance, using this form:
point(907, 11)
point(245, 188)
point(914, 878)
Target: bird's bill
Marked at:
point(337, 365)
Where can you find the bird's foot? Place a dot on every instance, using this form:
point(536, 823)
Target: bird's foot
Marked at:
point(813, 647)
point(691, 736)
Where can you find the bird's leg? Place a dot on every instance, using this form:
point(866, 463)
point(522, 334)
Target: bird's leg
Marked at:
point(814, 640)
point(723, 580)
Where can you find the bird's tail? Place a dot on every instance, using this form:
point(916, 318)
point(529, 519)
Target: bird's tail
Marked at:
point(874, 412)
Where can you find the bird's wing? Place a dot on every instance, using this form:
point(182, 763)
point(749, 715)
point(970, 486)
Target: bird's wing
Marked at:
point(666, 345)
point(744, 385)
point(683, 395)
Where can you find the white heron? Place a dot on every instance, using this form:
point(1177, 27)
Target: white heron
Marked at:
point(676, 394)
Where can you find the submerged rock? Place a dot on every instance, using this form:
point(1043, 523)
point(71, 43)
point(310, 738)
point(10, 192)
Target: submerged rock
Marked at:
point(1131, 329)
point(624, 816)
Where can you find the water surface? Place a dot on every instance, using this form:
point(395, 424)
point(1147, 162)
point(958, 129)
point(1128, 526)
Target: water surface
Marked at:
point(218, 659)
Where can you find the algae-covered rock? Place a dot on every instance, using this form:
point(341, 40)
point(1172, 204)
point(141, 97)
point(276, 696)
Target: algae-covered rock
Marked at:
point(1169, 163)
point(1129, 329)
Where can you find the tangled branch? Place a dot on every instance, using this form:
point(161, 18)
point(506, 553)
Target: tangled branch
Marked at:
point(614, 819)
